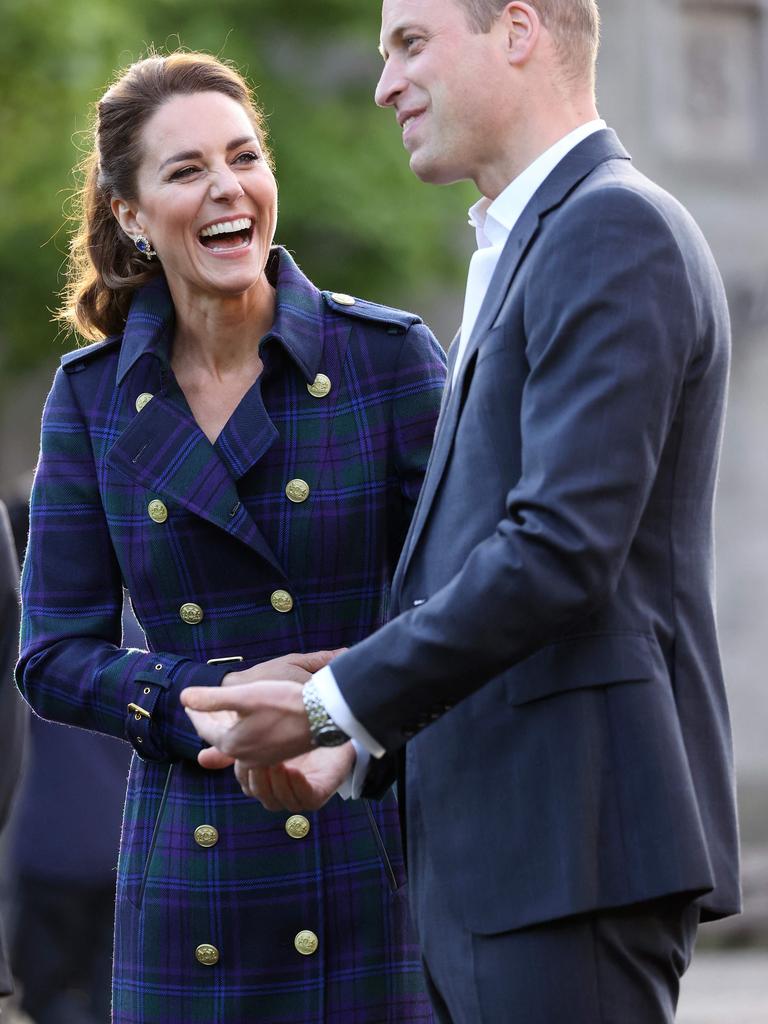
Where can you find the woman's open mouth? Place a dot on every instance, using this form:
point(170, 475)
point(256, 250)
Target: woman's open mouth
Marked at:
point(227, 235)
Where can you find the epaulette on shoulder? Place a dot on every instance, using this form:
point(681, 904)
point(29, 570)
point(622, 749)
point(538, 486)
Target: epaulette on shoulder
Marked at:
point(397, 321)
point(73, 362)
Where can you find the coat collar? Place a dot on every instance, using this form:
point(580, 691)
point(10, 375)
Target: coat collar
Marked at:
point(298, 324)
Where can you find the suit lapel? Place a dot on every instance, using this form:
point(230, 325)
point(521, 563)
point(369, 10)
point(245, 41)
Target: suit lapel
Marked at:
point(572, 169)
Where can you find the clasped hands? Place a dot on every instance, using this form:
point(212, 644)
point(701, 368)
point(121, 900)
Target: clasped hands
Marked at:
point(256, 721)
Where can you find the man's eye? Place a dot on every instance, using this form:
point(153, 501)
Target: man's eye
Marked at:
point(410, 41)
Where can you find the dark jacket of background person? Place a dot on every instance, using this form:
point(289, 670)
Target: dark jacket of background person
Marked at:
point(280, 537)
point(63, 853)
point(12, 710)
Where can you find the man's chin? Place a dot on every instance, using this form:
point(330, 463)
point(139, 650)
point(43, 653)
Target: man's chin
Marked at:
point(432, 171)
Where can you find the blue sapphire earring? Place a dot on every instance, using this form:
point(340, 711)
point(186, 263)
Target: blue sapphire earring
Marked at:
point(144, 246)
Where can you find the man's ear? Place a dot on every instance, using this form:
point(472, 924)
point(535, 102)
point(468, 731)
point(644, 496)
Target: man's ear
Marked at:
point(127, 217)
point(521, 26)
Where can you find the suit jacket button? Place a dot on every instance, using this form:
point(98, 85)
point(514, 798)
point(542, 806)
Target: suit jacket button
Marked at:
point(142, 400)
point(306, 943)
point(320, 386)
point(191, 613)
point(297, 826)
point(206, 836)
point(207, 955)
point(158, 513)
point(297, 491)
point(281, 601)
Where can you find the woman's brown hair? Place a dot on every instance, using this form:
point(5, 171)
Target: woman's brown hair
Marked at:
point(104, 267)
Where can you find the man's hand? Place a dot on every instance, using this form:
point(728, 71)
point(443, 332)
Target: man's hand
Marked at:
point(304, 784)
point(296, 667)
point(271, 723)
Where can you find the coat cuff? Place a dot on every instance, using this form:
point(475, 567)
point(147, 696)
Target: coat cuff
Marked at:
point(156, 723)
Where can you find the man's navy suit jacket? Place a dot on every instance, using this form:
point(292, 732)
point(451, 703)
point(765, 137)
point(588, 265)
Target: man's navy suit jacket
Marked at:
point(555, 667)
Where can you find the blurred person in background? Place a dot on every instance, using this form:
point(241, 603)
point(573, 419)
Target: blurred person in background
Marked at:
point(65, 837)
point(12, 710)
point(243, 453)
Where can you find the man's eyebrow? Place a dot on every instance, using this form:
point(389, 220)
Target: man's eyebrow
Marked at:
point(397, 34)
point(195, 154)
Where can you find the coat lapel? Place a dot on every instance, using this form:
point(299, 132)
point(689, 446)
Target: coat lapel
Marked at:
point(573, 168)
point(164, 451)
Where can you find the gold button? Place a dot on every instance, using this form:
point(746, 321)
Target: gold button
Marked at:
point(191, 613)
point(281, 601)
point(297, 491)
point(142, 400)
point(206, 836)
point(158, 513)
point(207, 954)
point(297, 826)
point(342, 299)
point(306, 943)
point(320, 386)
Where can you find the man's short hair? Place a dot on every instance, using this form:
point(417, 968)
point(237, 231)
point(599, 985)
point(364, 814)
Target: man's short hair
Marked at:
point(573, 24)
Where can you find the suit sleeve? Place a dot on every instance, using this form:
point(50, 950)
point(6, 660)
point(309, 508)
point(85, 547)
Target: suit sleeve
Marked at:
point(610, 328)
point(72, 668)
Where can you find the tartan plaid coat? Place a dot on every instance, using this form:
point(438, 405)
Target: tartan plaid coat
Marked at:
point(212, 890)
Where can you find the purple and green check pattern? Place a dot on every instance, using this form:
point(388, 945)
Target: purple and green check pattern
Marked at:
point(230, 540)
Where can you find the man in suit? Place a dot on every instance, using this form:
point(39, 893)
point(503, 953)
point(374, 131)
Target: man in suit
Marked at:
point(553, 674)
point(12, 710)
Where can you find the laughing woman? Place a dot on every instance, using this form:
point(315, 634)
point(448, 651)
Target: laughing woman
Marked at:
point(242, 453)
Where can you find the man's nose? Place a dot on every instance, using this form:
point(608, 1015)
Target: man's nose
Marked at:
point(391, 84)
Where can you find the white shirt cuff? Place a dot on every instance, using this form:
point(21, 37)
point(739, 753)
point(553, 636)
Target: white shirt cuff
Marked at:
point(352, 787)
point(338, 709)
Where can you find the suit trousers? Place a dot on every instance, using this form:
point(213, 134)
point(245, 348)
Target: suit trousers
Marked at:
point(615, 966)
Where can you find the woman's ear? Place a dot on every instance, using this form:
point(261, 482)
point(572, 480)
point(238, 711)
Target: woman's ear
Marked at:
point(127, 217)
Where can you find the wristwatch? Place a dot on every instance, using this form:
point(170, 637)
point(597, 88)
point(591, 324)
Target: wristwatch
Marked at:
point(325, 732)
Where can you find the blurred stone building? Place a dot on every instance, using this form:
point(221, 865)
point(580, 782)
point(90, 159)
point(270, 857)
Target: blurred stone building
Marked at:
point(685, 83)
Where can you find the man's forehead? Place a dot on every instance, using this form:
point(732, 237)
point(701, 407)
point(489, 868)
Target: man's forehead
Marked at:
point(400, 15)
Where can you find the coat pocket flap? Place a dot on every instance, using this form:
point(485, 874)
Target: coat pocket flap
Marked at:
point(584, 661)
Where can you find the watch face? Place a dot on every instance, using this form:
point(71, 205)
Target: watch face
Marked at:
point(330, 736)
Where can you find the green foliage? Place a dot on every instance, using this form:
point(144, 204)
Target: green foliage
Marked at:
point(350, 210)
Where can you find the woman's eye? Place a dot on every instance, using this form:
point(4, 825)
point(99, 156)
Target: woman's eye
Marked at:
point(247, 158)
point(183, 172)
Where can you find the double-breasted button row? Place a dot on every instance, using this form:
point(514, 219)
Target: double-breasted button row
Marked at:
point(305, 942)
point(193, 614)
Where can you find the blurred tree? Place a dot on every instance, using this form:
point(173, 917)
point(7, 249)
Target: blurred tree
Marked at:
point(350, 209)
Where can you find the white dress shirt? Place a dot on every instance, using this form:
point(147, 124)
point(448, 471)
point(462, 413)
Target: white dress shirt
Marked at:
point(493, 222)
